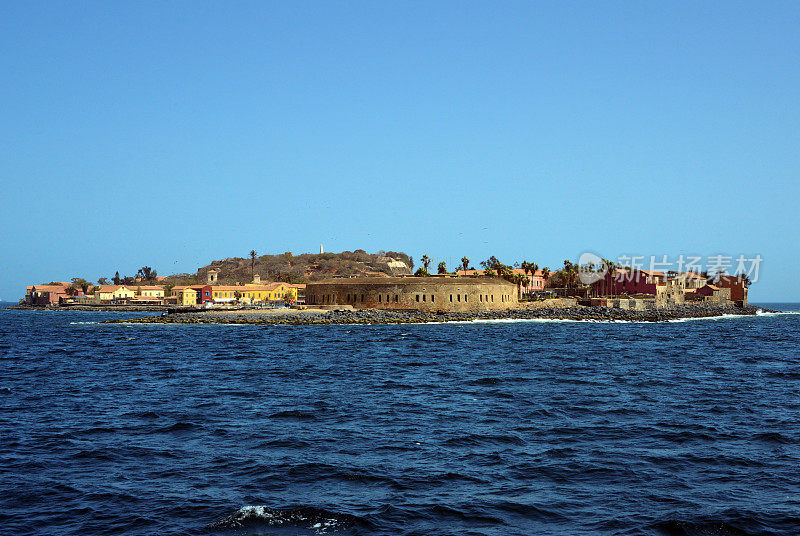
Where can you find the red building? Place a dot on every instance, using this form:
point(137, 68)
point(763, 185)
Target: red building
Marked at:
point(737, 286)
point(629, 282)
point(46, 294)
point(204, 292)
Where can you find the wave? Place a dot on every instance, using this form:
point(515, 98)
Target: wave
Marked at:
point(761, 312)
point(307, 517)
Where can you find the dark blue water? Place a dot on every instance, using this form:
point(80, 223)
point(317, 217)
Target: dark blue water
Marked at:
point(526, 428)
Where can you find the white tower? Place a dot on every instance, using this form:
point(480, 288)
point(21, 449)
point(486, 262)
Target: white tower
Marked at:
point(320, 249)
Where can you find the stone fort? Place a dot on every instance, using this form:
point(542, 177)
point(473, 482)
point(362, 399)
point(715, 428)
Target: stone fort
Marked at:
point(432, 294)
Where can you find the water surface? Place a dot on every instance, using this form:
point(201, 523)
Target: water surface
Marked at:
point(492, 428)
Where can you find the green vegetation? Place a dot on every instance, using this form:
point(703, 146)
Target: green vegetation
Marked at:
point(300, 268)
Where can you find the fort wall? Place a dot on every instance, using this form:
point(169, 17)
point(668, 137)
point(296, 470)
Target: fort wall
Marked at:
point(432, 294)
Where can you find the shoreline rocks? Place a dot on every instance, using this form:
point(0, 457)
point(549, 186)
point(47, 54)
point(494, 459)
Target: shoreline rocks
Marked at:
point(377, 316)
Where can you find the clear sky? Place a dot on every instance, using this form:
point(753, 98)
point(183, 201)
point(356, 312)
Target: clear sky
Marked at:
point(170, 134)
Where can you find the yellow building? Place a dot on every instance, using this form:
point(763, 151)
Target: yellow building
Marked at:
point(187, 296)
point(113, 293)
point(150, 291)
point(252, 293)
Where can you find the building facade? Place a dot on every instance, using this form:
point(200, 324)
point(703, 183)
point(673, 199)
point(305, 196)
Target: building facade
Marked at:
point(431, 294)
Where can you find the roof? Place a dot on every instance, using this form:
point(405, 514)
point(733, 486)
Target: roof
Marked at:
point(150, 287)
point(731, 279)
point(692, 275)
point(112, 288)
point(49, 288)
point(653, 273)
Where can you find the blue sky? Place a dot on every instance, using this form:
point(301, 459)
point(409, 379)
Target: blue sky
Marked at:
point(170, 134)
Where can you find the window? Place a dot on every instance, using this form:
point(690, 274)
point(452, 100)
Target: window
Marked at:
point(379, 298)
point(417, 296)
point(451, 298)
point(423, 297)
point(492, 297)
point(458, 296)
point(387, 298)
point(433, 298)
point(395, 298)
point(362, 298)
point(465, 297)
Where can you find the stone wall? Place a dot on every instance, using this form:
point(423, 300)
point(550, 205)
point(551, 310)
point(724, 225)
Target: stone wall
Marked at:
point(434, 294)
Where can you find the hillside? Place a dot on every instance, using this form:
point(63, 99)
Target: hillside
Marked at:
point(302, 268)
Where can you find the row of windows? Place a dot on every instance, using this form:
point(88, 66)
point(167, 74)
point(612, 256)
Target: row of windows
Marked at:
point(388, 298)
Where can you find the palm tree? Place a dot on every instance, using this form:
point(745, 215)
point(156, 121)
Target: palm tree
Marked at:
point(426, 261)
point(465, 263)
point(253, 255)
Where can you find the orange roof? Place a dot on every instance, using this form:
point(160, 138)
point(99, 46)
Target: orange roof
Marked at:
point(111, 288)
point(652, 272)
point(150, 287)
point(49, 288)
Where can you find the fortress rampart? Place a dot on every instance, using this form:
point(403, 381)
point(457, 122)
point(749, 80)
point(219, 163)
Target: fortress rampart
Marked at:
point(459, 294)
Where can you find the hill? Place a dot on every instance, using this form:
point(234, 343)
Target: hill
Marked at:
point(301, 268)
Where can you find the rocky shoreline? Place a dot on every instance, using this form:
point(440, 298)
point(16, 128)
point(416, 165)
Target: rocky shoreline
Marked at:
point(103, 308)
point(376, 316)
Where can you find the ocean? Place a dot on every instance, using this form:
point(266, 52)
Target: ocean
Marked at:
point(482, 428)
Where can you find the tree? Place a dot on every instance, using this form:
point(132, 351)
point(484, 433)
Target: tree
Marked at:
point(488, 272)
point(491, 263)
point(442, 268)
point(465, 263)
point(253, 256)
point(422, 272)
point(72, 289)
point(545, 272)
point(81, 283)
point(237, 295)
point(116, 279)
point(146, 273)
point(426, 261)
point(102, 281)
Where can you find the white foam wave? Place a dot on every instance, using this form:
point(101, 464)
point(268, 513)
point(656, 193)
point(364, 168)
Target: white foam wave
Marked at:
point(762, 312)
